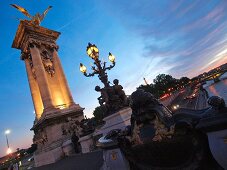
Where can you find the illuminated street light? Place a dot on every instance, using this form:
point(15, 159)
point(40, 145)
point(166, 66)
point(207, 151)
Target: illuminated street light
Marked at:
point(7, 141)
point(111, 58)
point(83, 69)
point(9, 151)
point(92, 51)
point(99, 67)
point(7, 132)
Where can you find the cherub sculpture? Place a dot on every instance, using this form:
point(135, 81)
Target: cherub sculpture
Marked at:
point(37, 18)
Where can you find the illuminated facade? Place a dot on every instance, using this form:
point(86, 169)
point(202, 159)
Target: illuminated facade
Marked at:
point(50, 92)
point(46, 78)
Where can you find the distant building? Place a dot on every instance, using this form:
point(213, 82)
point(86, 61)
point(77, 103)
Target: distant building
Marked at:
point(223, 67)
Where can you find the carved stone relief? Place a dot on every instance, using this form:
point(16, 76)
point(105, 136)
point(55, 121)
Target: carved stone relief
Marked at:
point(47, 59)
point(31, 65)
point(27, 55)
point(71, 126)
point(40, 138)
point(46, 51)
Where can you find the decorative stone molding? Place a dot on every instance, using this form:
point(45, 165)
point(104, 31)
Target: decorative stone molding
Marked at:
point(40, 138)
point(47, 59)
point(27, 55)
point(71, 126)
point(32, 68)
point(38, 42)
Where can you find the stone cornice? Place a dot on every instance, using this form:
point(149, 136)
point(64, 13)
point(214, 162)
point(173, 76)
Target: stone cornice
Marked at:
point(57, 115)
point(28, 33)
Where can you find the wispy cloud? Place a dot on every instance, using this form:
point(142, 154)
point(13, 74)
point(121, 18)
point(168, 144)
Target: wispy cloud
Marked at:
point(186, 36)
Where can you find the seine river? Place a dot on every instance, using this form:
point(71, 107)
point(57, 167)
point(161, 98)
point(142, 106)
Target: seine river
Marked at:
point(218, 89)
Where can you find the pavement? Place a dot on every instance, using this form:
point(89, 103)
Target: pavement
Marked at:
point(87, 161)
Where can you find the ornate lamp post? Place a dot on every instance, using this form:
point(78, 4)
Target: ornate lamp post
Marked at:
point(98, 68)
point(113, 97)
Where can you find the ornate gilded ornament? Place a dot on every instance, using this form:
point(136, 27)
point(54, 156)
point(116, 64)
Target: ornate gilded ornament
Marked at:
point(37, 18)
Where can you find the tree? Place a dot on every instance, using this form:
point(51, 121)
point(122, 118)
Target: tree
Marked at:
point(99, 114)
point(32, 149)
point(184, 80)
point(164, 82)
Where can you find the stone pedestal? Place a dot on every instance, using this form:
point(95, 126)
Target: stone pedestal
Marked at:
point(67, 148)
point(51, 142)
point(48, 157)
point(118, 120)
point(86, 143)
point(114, 159)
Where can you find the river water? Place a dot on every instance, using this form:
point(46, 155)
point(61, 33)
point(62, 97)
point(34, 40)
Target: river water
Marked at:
point(219, 88)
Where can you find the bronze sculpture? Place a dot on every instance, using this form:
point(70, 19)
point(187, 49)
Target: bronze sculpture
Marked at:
point(112, 98)
point(158, 139)
point(37, 18)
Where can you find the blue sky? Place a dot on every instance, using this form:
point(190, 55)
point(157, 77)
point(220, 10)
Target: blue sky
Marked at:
point(148, 37)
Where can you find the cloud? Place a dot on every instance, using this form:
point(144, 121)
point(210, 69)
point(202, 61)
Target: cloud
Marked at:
point(186, 37)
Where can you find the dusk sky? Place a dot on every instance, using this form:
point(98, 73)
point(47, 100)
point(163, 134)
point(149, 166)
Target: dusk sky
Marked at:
point(148, 37)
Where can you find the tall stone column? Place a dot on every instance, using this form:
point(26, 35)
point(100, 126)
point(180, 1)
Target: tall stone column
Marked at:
point(37, 101)
point(42, 80)
point(62, 79)
point(51, 96)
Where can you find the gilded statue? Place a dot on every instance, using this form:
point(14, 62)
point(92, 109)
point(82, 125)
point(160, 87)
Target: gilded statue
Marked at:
point(37, 18)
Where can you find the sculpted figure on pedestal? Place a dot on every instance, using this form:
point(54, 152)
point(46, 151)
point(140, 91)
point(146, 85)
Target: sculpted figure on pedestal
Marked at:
point(119, 91)
point(82, 128)
point(148, 113)
point(159, 139)
point(104, 98)
point(112, 98)
point(71, 126)
point(37, 18)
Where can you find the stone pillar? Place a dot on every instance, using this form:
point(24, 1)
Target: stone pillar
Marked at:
point(42, 79)
point(37, 101)
point(50, 85)
point(62, 80)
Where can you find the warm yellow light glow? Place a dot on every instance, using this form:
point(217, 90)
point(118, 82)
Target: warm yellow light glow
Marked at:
point(62, 106)
point(92, 51)
point(9, 151)
point(7, 132)
point(83, 69)
point(111, 57)
point(89, 51)
point(59, 101)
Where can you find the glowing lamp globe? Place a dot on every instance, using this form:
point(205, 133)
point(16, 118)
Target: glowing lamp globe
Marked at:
point(111, 58)
point(92, 51)
point(83, 69)
point(7, 132)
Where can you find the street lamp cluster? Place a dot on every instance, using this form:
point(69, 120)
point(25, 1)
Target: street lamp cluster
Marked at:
point(99, 67)
point(112, 98)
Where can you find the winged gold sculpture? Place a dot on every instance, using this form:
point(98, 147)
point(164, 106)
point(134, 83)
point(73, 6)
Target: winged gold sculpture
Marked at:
point(37, 18)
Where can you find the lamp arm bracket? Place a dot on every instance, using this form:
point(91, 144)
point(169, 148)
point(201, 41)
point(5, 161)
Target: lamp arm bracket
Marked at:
point(110, 67)
point(90, 74)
